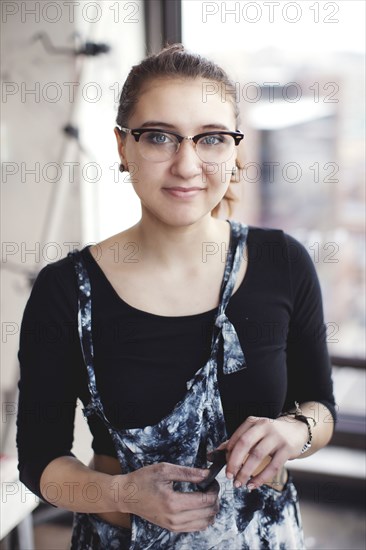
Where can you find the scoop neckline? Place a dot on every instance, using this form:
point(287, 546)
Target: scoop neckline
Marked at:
point(167, 317)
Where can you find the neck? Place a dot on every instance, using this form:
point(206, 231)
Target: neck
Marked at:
point(176, 248)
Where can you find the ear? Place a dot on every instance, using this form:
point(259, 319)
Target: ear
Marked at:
point(234, 172)
point(120, 145)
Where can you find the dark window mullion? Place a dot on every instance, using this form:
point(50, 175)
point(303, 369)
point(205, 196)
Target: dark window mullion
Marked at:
point(163, 23)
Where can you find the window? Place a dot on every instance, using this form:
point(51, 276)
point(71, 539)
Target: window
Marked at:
point(298, 68)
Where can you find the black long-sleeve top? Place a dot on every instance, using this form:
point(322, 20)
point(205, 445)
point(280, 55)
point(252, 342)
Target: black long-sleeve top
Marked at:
point(143, 360)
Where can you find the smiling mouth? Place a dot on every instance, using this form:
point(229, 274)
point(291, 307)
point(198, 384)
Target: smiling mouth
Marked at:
point(184, 189)
point(183, 192)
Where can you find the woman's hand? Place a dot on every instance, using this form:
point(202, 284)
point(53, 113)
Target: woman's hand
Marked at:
point(150, 495)
point(259, 448)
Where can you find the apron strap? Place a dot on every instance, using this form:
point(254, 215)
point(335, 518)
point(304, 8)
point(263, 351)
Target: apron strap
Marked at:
point(233, 355)
point(85, 333)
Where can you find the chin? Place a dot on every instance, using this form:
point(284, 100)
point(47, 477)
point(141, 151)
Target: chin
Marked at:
point(181, 219)
point(178, 216)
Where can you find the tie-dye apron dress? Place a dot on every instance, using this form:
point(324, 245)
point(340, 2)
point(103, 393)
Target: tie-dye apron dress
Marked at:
point(260, 519)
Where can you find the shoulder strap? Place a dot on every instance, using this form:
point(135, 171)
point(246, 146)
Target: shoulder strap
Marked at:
point(239, 233)
point(233, 355)
point(85, 333)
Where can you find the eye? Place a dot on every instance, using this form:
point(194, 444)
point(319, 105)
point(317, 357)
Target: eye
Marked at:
point(158, 138)
point(213, 139)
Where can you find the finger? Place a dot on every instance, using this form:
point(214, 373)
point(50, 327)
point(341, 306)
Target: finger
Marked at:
point(193, 526)
point(267, 459)
point(191, 519)
point(258, 458)
point(172, 472)
point(249, 423)
point(197, 500)
point(269, 473)
point(213, 489)
point(239, 453)
point(187, 521)
point(200, 513)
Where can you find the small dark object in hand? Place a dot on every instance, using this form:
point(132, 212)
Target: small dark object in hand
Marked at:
point(218, 462)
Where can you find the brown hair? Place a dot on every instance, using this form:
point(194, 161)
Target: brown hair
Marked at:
point(174, 61)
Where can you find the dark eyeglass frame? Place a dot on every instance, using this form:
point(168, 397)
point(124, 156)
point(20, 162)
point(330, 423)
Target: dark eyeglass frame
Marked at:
point(137, 132)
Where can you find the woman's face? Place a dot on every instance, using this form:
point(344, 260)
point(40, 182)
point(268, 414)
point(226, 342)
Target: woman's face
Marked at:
point(181, 106)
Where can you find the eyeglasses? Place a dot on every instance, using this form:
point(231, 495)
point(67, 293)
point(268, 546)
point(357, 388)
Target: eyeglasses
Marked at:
point(158, 146)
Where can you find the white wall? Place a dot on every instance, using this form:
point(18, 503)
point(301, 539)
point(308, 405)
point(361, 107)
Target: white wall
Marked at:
point(109, 204)
point(59, 204)
point(31, 131)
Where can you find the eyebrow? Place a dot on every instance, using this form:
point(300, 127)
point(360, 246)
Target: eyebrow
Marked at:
point(156, 123)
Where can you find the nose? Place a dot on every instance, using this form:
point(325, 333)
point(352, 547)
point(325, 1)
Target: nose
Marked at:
point(186, 163)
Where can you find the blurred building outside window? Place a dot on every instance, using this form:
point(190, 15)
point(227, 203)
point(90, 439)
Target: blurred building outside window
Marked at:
point(299, 72)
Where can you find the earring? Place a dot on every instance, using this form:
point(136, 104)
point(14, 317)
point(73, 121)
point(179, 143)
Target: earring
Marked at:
point(233, 171)
point(121, 168)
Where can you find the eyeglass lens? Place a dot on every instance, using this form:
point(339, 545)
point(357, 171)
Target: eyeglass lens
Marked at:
point(160, 146)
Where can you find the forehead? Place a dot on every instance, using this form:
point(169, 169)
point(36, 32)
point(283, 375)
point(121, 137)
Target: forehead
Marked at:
point(184, 102)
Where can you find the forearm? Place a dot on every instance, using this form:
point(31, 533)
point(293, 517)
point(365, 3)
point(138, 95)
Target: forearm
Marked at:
point(69, 484)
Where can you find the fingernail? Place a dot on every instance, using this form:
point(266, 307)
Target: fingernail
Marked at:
point(250, 487)
point(229, 475)
point(237, 484)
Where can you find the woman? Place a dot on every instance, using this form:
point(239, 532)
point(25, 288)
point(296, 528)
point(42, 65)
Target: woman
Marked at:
point(198, 334)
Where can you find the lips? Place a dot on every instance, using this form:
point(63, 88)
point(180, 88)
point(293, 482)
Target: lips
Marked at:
point(183, 192)
point(185, 189)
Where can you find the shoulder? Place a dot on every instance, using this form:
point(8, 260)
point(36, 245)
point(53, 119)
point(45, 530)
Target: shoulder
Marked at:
point(265, 234)
point(55, 283)
point(282, 244)
point(58, 271)
point(275, 245)
point(280, 254)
